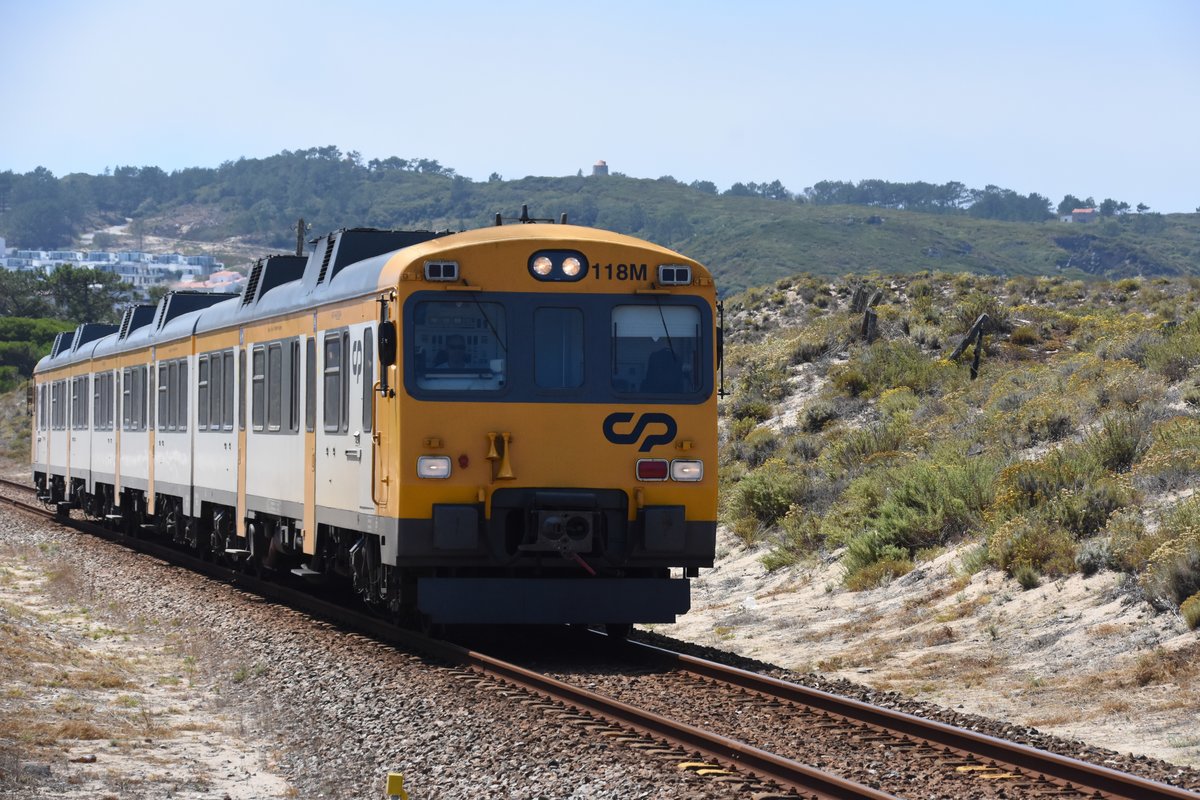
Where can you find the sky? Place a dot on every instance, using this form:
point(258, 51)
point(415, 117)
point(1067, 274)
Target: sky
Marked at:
point(1094, 99)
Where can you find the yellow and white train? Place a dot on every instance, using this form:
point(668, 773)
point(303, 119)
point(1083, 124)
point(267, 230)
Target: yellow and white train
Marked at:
point(515, 424)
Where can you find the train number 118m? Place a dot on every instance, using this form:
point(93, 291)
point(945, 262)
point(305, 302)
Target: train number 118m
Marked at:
point(620, 272)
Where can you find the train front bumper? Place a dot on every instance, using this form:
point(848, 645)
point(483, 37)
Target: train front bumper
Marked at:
point(552, 601)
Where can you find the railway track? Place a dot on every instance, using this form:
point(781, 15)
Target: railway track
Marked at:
point(1023, 770)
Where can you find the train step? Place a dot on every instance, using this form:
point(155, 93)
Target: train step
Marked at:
point(305, 572)
point(148, 526)
point(236, 551)
point(113, 517)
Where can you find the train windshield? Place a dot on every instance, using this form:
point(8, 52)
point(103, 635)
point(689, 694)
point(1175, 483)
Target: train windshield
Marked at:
point(459, 345)
point(537, 348)
point(656, 349)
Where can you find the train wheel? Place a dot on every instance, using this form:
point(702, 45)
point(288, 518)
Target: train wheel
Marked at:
point(618, 631)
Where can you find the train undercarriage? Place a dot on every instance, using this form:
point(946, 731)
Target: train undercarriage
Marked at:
point(534, 565)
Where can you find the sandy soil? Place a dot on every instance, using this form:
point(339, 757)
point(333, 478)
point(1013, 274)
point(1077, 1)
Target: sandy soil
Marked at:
point(100, 706)
point(1076, 657)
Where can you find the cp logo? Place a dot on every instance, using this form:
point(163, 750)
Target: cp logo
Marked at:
point(665, 421)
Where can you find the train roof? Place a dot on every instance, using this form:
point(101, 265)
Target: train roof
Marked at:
point(344, 264)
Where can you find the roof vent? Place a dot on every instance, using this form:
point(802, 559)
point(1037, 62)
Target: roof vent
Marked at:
point(90, 332)
point(252, 283)
point(136, 316)
point(61, 342)
point(329, 243)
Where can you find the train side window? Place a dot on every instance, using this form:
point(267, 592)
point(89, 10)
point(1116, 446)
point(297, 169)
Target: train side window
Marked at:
point(310, 380)
point(97, 401)
point(109, 399)
point(202, 397)
point(172, 420)
point(184, 393)
point(216, 393)
point(459, 346)
point(242, 389)
point(258, 396)
point(368, 387)
point(274, 386)
point(145, 389)
point(126, 390)
point(293, 383)
point(227, 386)
point(333, 382)
point(558, 348)
point(146, 392)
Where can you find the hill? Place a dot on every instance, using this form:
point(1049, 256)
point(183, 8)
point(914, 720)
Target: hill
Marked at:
point(748, 235)
point(1023, 545)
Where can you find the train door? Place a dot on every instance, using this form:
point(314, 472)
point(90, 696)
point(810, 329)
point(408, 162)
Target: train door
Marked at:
point(310, 441)
point(41, 447)
point(242, 390)
point(363, 390)
point(338, 455)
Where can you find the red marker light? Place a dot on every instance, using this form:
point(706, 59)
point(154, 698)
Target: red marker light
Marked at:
point(652, 469)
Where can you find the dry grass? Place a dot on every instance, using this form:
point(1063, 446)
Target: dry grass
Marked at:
point(1161, 666)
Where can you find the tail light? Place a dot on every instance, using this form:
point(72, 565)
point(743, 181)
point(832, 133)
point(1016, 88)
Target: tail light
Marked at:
point(652, 469)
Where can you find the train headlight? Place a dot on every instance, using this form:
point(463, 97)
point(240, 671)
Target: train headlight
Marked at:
point(558, 265)
point(433, 466)
point(682, 470)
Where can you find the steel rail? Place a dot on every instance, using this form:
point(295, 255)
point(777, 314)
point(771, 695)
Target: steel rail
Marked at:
point(1063, 770)
point(1077, 774)
point(792, 775)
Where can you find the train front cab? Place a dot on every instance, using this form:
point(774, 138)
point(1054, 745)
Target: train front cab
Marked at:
point(557, 439)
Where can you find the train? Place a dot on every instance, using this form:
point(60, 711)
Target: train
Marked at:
point(515, 424)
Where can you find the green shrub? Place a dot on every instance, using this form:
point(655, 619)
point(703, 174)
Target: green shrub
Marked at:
point(894, 512)
point(817, 415)
point(927, 336)
point(1024, 335)
point(747, 529)
point(1085, 511)
point(1190, 609)
point(768, 492)
point(1176, 353)
point(1172, 572)
point(1119, 442)
point(1030, 484)
point(747, 406)
point(1172, 458)
point(1130, 546)
point(1092, 556)
point(799, 536)
point(758, 446)
point(1027, 577)
point(1032, 542)
point(877, 573)
point(849, 380)
point(892, 364)
point(857, 446)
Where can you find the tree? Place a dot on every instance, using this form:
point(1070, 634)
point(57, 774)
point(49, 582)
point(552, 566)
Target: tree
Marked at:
point(1142, 208)
point(739, 190)
point(24, 294)
point(1069, 203)
point(708, 187)
point(87, 295)
point(1108, 208)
